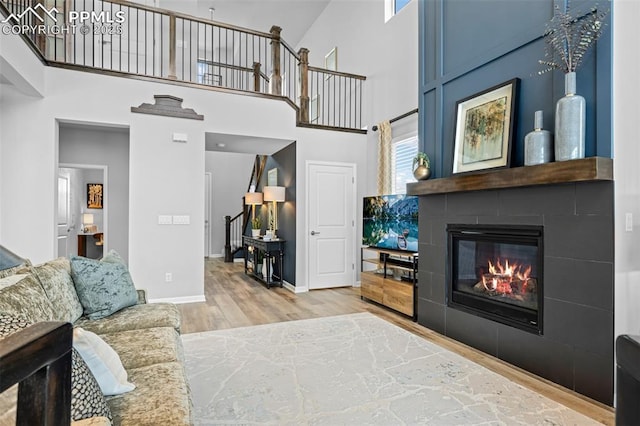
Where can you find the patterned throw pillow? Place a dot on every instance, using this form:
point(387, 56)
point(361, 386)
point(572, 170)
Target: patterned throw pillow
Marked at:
point(103, 287)
point(87, 399)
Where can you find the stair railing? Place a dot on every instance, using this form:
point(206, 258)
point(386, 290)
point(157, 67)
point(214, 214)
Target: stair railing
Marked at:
point(235, 227)
point(119, 37)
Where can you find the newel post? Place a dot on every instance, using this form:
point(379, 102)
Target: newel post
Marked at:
point(256, 76)
point(304, 85)
point(172, 47)
point(276, 78)
point(227, 239)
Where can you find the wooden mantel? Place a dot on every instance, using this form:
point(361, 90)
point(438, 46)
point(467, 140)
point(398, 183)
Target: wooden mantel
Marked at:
point(582, 170)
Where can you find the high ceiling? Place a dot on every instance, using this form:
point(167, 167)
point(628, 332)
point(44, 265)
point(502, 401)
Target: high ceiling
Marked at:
point(293, 16)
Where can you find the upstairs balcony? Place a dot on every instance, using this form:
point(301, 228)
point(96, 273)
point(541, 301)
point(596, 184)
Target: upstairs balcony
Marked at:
point(118, 37)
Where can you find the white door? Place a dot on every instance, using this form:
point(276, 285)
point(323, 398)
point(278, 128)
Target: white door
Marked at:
point(207, 214)
point(63, 221)
point(331, 192)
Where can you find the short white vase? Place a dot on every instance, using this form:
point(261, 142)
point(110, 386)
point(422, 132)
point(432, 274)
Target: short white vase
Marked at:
point(570, 122)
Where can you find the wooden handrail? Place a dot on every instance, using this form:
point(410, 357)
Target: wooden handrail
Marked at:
point(337, 73)
point(39, 359)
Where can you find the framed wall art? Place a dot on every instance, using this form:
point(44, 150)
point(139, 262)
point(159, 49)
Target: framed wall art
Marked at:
point(485, 126)
point(94, 195)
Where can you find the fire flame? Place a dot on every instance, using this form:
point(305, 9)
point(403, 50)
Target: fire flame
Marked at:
point(501, 277)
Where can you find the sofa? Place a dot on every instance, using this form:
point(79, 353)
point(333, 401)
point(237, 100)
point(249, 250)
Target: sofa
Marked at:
point(146, 338)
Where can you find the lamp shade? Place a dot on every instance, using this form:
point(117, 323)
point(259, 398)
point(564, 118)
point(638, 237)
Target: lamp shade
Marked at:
point(274, 193)
point(253, 198)
point(87, 219)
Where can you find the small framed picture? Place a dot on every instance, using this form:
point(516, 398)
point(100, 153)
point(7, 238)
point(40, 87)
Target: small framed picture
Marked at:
point(485, 126)
point(331, 60)
point(272, 177)
point(94, 196)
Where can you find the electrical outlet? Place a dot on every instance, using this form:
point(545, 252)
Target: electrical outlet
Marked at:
point(168, 277)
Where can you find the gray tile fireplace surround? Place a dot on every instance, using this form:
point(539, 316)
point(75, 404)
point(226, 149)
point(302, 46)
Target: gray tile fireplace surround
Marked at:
point(575, 349)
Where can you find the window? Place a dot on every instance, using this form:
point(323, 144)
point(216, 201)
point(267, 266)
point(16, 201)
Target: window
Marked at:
point(399, 4)
point(402, 153)
point(392, 7)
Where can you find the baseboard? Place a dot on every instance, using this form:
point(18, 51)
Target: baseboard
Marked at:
point(358, 284)
point(179, 300)
point(238, 260)
point(294, 288)
point(216, 255)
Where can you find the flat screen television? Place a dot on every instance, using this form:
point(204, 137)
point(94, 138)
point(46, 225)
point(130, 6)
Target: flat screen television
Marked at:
point(390, 222)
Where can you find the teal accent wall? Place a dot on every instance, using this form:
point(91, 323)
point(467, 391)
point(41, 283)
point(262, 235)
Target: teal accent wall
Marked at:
point(467, 46)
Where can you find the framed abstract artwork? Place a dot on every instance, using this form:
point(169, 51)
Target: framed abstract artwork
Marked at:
point(94, 196)
point(485, 126)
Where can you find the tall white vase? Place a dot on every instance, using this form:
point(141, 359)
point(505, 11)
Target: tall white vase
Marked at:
point(570, 122)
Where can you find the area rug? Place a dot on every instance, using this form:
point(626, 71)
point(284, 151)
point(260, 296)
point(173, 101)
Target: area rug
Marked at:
point(350, 370)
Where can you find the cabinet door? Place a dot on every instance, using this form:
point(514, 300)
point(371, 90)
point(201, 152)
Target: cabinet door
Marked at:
point(371, 286)
point(398, 295)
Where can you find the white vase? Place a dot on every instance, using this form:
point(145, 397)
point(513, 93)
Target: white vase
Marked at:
point(538, 144)
point(255, 232)
point(570, 122)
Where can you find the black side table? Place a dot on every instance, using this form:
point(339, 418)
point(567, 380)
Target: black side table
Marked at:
point(270, 249)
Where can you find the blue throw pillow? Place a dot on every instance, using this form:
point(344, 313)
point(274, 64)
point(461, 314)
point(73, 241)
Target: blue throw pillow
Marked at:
point(103, 287)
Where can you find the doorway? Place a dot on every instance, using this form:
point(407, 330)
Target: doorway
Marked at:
point(331, 239)
point(82, 227)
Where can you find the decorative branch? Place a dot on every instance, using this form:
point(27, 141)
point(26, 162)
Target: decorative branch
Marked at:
point(570, 38)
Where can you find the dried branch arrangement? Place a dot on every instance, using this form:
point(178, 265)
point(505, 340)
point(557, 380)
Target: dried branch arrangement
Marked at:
point(570, 37)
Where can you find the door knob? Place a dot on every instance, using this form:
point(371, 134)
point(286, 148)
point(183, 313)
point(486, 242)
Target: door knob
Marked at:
point(315, 233)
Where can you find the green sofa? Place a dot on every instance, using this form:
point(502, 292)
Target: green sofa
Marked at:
point(145, 336)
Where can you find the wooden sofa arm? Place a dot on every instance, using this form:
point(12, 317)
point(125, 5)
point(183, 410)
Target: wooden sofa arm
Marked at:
point(39, 358)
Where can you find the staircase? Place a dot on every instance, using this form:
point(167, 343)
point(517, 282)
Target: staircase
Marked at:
point(117, 37)
point(236, 226)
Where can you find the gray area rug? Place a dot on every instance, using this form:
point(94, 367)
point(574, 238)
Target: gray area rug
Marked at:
point(350, 370)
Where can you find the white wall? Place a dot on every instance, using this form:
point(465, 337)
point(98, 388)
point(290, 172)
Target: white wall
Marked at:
point(230, 173)
point(99, 146)
point(165, 177)
point(386, 53)
point(626, 89)
point(322, 145)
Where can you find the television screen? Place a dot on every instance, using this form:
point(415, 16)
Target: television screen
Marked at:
point(390, 222)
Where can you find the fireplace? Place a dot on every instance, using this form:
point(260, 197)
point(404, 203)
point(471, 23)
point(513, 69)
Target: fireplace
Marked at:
point(496, 272)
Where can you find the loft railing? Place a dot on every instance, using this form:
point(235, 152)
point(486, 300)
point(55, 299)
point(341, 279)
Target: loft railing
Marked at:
point(121, 37)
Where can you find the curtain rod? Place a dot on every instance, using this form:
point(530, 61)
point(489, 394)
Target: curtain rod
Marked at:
point(400, 117)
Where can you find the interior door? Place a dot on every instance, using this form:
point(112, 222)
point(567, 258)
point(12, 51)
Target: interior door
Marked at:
point(64, 215)
point(331, 225)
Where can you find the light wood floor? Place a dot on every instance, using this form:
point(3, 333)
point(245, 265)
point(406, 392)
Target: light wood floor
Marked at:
point(235, 300)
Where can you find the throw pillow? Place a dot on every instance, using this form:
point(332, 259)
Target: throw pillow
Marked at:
point(103, 362)
point(25, 297)
point(103, 287)
point(87, 399)
point(55, 278)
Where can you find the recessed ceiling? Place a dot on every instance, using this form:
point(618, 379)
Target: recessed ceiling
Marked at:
point(222, 142)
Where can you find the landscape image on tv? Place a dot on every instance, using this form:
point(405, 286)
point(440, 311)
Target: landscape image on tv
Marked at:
point(391, 222)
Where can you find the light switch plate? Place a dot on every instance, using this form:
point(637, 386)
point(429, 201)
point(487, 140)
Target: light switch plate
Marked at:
point(164, 219)
point(181, 220)
point(628, 222)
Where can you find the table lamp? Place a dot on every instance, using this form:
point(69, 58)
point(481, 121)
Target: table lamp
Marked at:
point(87, 222)
point(253, 199)
point(274, 194)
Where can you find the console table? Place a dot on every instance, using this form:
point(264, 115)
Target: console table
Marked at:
point(257, 248)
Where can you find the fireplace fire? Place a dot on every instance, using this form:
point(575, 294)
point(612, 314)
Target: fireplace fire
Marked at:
point(496, 272)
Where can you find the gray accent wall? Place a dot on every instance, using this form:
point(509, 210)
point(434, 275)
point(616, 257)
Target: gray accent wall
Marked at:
point(285, 161)
point(467, 46)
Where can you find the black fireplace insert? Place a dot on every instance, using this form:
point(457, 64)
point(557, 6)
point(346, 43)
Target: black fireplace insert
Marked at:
point(495, 272)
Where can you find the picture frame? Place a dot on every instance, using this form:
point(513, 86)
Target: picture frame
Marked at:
point(95, 196)
point(485, 128)
point(272, 177)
